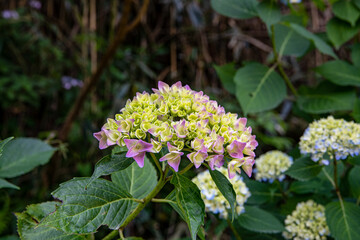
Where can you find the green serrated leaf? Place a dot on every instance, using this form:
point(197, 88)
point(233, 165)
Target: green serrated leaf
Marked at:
point(110, 164)
point(189, 200)
point(139, 182)
point(174, 205)
point(226, 189)
point(340, 73)
point(289, 42)
point(305, 186)
point(28, 224)
point(259, 88)
point(343, 220)
point(84, 210)
point(258, 220)
point(355, 54)
point(320, 44)
point(261, 192)
point(239, 9)
point(346, 11)
point(304, 169)
point(354, 182)
point(6, 184)
point(340, 32)
point(226, 74)
point(22, 155)
point(269, 12)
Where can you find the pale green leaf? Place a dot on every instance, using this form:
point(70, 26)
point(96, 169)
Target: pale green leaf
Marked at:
point(258, 220)
point(226, 74)
point(304, 169)
point(340, 32)
point(340, 73)
point(84, 210)
point(6, 184)
point(346, 11)
point(3, 143)
point(343, 220)
point(259, 88)
point(289, 42)
point(239, 9)
point(320, 44)
point(110, 164)
point(190, 202)
point(269, 12)
point(22, 155)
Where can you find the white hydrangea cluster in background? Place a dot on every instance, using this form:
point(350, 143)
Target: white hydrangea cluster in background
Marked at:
point(272, 165)
point(214, 201)
point(334, 137)
point(306, 222)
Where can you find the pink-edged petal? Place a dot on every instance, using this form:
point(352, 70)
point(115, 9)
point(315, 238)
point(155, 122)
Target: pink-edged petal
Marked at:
point(98, 135)
point(173, 159)
point(218, 146)
point(171, 148)
point(248, 165)
point(163, 86)
point(197, 158)
point(138, 147)
point(140, 159)
point(216, 160)
point(175, 163)
point(235, 149)
point(240, 124)
point(130, 143)
point(177, 84)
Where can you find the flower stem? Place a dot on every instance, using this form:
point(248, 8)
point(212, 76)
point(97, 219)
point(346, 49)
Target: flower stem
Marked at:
point(187, 168)
point(162, 200)
point(337, 189)
point(156, 163)
point(278, 62)
point(111, 235)
point(236, 234)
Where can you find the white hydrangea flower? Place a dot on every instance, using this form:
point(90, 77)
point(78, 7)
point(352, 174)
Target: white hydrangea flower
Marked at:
point(214, 201)
point(306, 222)
point(272, 165)
point(333, 137)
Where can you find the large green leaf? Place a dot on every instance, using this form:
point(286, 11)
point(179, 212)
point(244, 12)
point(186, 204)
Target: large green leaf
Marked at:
point(355, 54)
point(340, 32)
point(261, 192)
point(259, 88)
point(356, 111)
point(189, 201)
point(289, 42)
point(269, 12)
point(326, 97)
point(346, 10)
point(304, 169)
point(320, 44)
point(84, 210)
point(354, 181)
point(357, 3)
point(343, 220)
point(29, 229)
point(22, 155)
point(239, 9)
point(225, 188)
point(305, 186)
point(6, 184)
point(110, 164)
point(340, 73)
point(258, 220)
point(226, 74)
point(3, 143)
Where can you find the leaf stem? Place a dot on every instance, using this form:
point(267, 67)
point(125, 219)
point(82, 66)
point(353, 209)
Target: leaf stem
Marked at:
point(328, 177)
point(278, 61)
point(121, 234)
point(111, 235)
point(187, 168)
point(236, 234)
point(156, 163)
point(337, 189)
point(162, 200)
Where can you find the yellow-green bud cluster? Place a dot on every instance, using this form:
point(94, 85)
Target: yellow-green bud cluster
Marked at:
point(333, 137)
point(306, 222)
point(214, 201)
point(272, 165)
point(182, 120)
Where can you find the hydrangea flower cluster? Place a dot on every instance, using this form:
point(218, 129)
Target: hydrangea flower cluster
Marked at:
point(272, 165)
point(214, 201)
point(334, 137)
point(306, 222)
point(182, 120)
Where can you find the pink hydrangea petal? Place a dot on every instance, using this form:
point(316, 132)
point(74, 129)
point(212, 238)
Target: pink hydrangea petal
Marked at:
point(177, 84)
point(216, 160)
point(138, 147)
point(140, 159)
point(171, 148)
point(163, 86)
point(235, 149)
